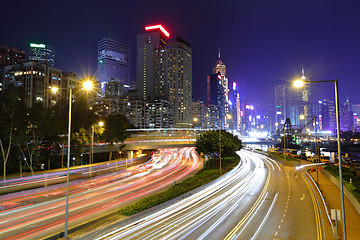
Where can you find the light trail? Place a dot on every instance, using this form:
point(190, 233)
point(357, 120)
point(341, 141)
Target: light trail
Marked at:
point(211, 206)
point(99, 195)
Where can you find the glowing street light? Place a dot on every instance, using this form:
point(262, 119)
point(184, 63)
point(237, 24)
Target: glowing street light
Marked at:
point(54, 89)
point(100, 124)
point(301, 82)
point(87, 86)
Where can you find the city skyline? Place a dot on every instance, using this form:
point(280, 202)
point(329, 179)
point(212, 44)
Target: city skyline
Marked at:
point(262, 44)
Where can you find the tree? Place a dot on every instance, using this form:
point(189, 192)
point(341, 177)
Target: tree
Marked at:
point(115, 130)
point(78, 141)
point(13, 113)
point(208, 143)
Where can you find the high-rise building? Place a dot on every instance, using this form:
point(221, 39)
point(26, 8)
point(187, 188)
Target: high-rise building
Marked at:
point(356, 112)
point(328, 115)
point(148, 46)
point(159, 114)
point(113, 62)
point(37, 79)
point(220, 69)
point(235, 107)
point(198, 114)
point(42, 53)
point(346, 116)
point(216, 94)
point(356, 108)
point(299, 103)
point(164, 71)
point(173, 80)
point(10, 56)
point(280, 105)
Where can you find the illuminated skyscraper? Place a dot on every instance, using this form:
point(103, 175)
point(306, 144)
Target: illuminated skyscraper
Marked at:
point(280, 105)
point(164, 71)
point(219, 67)
point(113, 62)
point(173, 80)
point(216, 94)
point(299, 103)
point(42, 53)
point(148, 45)
point(220, 70)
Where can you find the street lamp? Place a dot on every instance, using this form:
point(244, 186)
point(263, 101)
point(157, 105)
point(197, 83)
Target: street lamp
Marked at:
point(299, 83)
point(315, 146)
point(100, 124)
point(87, 86)
point(228, 116)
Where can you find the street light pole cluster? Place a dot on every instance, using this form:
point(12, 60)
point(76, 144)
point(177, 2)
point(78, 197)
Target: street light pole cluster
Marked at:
point(300, 83)
point(317, 158)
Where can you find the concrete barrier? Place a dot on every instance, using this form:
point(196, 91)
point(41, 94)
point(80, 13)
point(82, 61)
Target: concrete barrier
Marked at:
point(348, 194)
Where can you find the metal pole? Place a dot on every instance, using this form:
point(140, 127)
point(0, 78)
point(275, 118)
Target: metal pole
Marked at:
point(68, 167)
point(284, 155)
point(220, 140)
point(92, 147)
point(316, 155)
point(339, 156)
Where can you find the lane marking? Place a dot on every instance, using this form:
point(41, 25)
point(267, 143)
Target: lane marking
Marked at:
point(316, 210)
point(303, 197)
point(266, 217)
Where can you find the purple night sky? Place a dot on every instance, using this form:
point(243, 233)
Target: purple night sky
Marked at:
point(263, 43)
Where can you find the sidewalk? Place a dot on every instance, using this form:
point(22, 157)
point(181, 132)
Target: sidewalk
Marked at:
point(331, 193)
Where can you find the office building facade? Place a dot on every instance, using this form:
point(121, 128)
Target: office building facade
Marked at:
point(164, 72)
point(148, 49)
point(37, 79)
point(11, 56)
point(42, 53)
point(113, 62)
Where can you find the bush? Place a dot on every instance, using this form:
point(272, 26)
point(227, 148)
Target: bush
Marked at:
point(281, 156)
point(201, 178)
point(348, 173)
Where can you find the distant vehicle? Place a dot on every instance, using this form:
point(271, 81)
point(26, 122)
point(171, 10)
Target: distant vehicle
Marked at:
point(324, 159)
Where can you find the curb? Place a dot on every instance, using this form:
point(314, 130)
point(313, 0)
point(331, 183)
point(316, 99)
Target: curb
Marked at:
point(348, 194)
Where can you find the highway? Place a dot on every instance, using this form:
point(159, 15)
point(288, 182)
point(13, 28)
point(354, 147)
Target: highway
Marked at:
point(259, 199)
point(59, 175)
point(43, 215)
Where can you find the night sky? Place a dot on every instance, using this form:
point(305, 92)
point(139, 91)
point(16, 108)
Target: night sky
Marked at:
point(263, 43)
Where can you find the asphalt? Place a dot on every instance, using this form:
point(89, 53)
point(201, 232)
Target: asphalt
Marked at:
point(331, 193)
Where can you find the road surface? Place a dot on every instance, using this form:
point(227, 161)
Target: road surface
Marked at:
point(95, 197)
point(259, 199)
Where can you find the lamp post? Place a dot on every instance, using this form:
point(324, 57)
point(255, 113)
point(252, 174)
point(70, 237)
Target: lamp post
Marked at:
point(100, 124)
point(228, 116)
point(300, 83)
point(315, 146)
point(87, 86)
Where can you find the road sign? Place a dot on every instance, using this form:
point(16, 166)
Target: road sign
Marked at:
point(335, 214)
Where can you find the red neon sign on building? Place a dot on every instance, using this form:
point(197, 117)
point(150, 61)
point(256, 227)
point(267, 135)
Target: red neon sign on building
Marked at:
point(162, 29)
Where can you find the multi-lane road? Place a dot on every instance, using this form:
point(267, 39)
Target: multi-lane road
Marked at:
point(42, 211)
point(259, 199)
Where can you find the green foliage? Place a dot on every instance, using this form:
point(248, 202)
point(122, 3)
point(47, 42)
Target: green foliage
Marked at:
point(13, 113)
point(287, 158)
point(348, 174)
point(115, 129)
point(208, 143)
point(201, 178)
